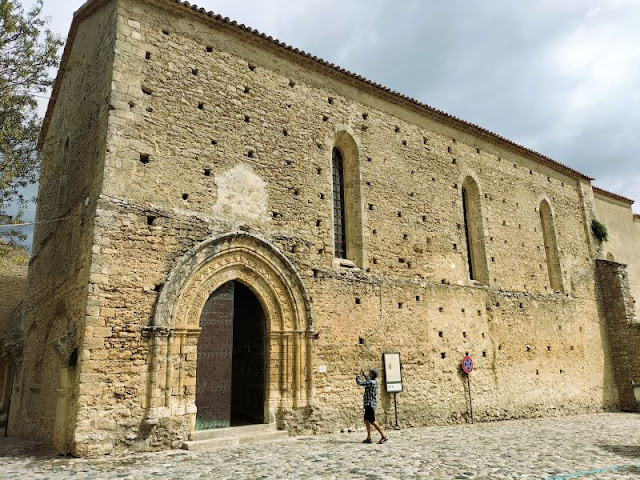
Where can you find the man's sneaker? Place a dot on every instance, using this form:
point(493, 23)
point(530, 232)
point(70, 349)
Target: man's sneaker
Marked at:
point(366, 440)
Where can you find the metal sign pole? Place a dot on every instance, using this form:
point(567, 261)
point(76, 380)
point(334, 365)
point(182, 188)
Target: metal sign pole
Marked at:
point(395, 406)
point(470, 399)
point(467, 367)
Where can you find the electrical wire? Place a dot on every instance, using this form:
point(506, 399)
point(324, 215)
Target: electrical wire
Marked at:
point(11, 225)
point(40, 96)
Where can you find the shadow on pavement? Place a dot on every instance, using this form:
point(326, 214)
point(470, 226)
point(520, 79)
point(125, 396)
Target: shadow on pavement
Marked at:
point(632, 451)
point(329, 442)
point(19, 448)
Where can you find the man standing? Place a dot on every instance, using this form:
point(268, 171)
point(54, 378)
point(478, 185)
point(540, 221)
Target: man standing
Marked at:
point(370, 400)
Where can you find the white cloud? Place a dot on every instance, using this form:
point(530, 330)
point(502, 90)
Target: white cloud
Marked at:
point(561, 77)
point(592, 12)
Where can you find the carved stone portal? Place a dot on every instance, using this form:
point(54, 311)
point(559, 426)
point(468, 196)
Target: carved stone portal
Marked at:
point(175, 330)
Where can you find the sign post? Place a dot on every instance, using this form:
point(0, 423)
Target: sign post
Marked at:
point(467, 367)
point(393, 377)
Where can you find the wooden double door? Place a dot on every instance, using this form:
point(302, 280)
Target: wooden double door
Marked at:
point(230, 383)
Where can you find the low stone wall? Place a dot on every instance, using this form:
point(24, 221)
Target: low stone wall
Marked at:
point(624, 332)
point(14, 262)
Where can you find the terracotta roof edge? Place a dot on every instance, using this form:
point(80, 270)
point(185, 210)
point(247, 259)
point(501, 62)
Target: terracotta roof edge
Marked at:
point(616, 196)
point(92, 5)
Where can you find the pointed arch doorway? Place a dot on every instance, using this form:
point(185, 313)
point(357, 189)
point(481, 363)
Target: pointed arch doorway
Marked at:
point(230, 384)
point(268, 283)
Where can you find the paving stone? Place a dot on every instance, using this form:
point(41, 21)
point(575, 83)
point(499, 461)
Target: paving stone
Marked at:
point(600, 446)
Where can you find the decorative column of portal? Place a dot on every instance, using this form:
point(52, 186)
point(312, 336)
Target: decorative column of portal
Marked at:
point(294, 348)
point(289, 377)
point(302, 348)
point(286, 380)
point(299, 349)
point(169, 369)
point(156, 400)
point(289, 354)
point(181, 362)
point(190, 356)
point(275, 379)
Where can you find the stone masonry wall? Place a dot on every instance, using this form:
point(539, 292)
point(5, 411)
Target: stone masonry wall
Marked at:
point(213, 131)
point(44, 397)
point(14, 263)
point(622, 326)
point(624, 238)
point(13, 278)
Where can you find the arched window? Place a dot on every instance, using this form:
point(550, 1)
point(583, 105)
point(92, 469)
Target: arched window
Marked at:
point(474, 232)
point(551, 247)
point(339, 227)
point(347, 205)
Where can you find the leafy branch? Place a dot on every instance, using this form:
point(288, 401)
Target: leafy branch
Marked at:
point(28, 53)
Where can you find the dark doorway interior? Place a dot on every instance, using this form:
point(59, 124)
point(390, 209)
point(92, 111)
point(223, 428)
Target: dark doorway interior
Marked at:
point(247, 397)
point(231, 365)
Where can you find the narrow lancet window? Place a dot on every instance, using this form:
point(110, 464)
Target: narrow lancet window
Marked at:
point(339, 228)
point(465, 208)
point(551, 247)
point(474, 232)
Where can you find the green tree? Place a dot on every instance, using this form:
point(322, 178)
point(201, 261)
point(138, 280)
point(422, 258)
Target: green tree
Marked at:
point(28, 52)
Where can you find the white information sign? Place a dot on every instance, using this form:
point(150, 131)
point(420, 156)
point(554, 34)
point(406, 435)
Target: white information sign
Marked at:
point(393, 372)
point(394, 387)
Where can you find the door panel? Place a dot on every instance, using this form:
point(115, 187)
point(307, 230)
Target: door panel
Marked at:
point(215, 353)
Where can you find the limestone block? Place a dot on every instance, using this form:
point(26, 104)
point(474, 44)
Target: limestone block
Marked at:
point(107, 312)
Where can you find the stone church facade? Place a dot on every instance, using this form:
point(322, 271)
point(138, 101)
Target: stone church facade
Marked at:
point(243, 225)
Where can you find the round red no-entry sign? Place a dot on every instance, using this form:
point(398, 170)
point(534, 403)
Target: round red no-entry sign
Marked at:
point(467, 365)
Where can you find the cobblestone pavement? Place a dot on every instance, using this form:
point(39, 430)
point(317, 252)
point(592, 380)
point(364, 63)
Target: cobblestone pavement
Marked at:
point(602, 446)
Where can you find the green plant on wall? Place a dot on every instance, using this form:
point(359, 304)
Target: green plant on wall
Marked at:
point(599, 231)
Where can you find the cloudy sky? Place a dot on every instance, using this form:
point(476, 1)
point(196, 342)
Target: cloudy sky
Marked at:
point(561, 77)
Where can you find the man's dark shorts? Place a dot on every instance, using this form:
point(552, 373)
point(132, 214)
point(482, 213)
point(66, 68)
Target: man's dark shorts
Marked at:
point(369, 414)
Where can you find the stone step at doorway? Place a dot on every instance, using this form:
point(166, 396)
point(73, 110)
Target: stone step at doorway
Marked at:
point(228, 437)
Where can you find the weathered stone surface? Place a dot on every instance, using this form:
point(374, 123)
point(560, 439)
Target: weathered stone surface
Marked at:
point(622, 327)
point(60, 268)
point(203, 155)
point(624, 237)
point(14, 262)
point(602, 447)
